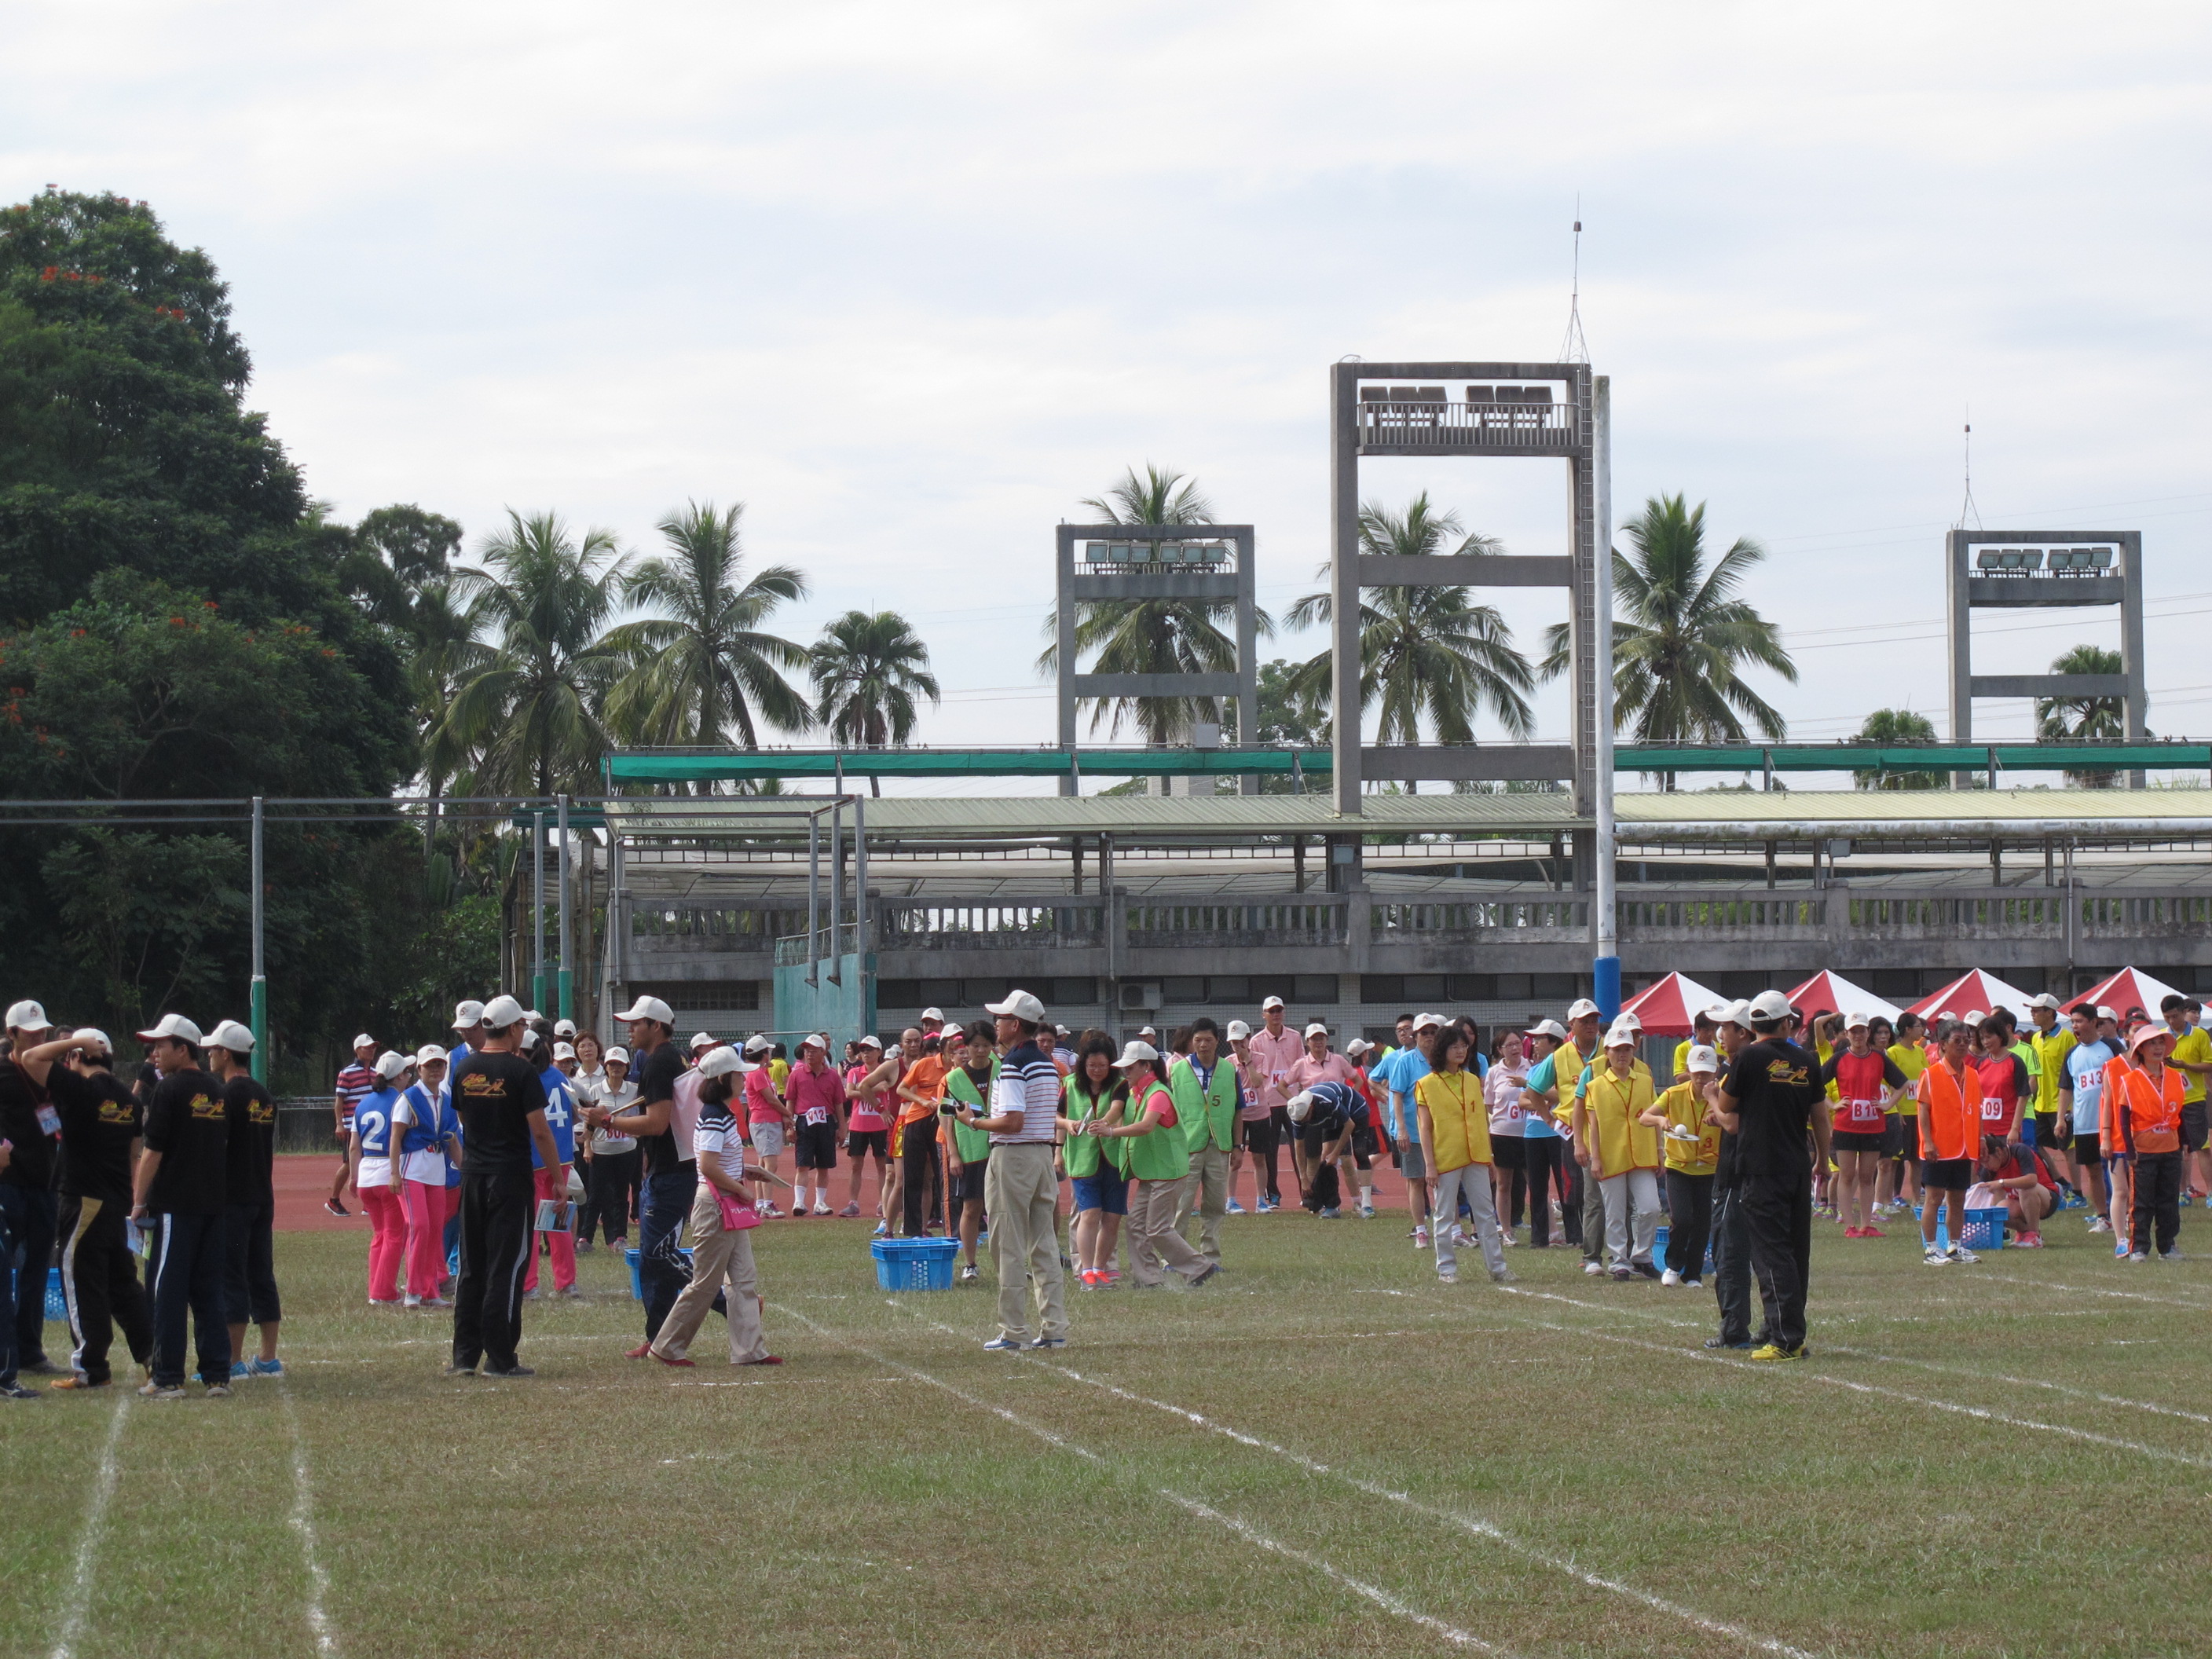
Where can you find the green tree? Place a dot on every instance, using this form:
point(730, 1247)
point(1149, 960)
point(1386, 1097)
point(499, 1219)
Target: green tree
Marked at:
point(530, 709)
point(867, 670)
point(1427, 655)
point(1681, 635)
point(1151, 636)
point(2060, 720)
point(1894, 728)
point(705, 665)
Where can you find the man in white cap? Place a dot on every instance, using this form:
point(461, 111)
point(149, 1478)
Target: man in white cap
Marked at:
point(29, 1214)
point(249, 1199)
point(1270, 1053)
point(1731, 1232)
point(1021, 1183)
point(1769, 1101)
point(355, 1083)
point(1256, 1129)
point(671, 1173)
point(178, 1189)
point(933, 1022)
point(2049, 1039)
point(500, 1101)
point(469, 1027)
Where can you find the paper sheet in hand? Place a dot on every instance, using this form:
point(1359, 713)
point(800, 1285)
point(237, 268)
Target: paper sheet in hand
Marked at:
point(554, 1216)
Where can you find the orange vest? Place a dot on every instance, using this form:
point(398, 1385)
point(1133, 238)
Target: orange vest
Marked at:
point(2154, 1110)
point(1950, 1116)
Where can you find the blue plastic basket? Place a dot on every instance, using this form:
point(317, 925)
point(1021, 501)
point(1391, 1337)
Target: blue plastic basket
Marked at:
point(1985, 1229)
point(637, 1278)
point(1659, 1236)
point(914, 1264)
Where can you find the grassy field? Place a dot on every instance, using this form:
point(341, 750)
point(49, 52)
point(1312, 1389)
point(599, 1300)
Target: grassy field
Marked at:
point(1326, 1452)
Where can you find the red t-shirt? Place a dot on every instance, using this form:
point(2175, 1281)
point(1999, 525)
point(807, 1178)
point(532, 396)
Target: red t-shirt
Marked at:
point(2004, 1080)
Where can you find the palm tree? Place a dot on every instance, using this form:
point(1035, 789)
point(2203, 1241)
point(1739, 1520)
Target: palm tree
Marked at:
point(1681, 634)
point(446, 655)
point(1151, 636)
point(867, 668)
point(705, 665)
point(2060, 720)
point(1892, 728)
point(528, 707)
point(1425, 653)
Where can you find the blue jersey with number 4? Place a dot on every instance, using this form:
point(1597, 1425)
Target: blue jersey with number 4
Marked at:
point(560, 1117)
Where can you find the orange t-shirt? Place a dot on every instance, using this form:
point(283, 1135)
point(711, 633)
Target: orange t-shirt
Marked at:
point(926, 1077)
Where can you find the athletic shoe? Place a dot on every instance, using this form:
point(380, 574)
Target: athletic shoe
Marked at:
point(798, 1212)
point(1932, 1257)
point(2028, 1242)
point(146, 1391)
point(1775, 1351)
point(1851, 1232)
point(2169, 1255)
point(411, 1300)
point(440, 1301)
point(332, 1207)
point(1212, 1270)
point(639, 1352)
point(1235, 1208)
point(1050, 1342)
point(883, 1231)
point(567, 1293)
point(967, 1273)
point(77, 1380)
point(530, 1295)
point(454, 1369)
point(1960, 1253)
point(1622, 1275)
point(1693, 1284)
point(1504, 1276)
point(238, 1370)
point(218, 1391)
point(823, 1209)
point(1593, 1268)
point(1332, 1213)
point(1670, 1277)
point(1644, 1270)
point(1722, 1342)
point(673, 1364)
point(850, 1211)
point(2139, 1256)
point(1088, 1279)
point(585, 1247)
point(1367, 1213)
point(1002, 1345)
point(40, 1366)
point(1448, 1275)
point(2120, 1250)
point(1420, 1238)
point(765, 1359)
point(2098, 1224)
point(266, 1367)
point(512, 1371)
point(1872, 1232)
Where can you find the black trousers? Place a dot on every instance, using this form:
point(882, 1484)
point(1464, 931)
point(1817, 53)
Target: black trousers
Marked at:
point(188, 1267)
point(250, 1264)
point(496, 1211)
point(1731, 1264)
point(35, 1229)
point(1324, 1190)
point(1778, 1213)
point(1570, 1206)
point(1689, 1222)
point(921, 1173)
point(1279, 1120)
point(100, 1279)
point(610, 1193)
point(1539, 1161)
point(1262, 1141)
point(2158, 1202)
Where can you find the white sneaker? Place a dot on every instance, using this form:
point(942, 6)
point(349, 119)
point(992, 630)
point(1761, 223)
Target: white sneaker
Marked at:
point(1448, 1275)
point(1420, 1238)
point(823, 1209)
point(1960, 1253)
point(1670, 1277)
point(1932, 1257)
point(1593, 1268)
point(1367, 1213)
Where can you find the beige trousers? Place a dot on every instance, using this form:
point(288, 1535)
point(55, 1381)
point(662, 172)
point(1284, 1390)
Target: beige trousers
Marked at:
point(1021, 1194)
point(1154, 1243)
point(720, 1258)
point(1205, 1189)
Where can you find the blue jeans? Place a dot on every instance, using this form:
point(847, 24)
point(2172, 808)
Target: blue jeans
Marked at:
point(662, 1272)
point(27, 1245)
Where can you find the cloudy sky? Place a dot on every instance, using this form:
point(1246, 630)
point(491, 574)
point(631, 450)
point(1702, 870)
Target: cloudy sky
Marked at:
point(909, 282)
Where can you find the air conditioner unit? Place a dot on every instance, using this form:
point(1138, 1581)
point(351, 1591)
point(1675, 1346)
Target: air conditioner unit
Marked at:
point(1138, 997)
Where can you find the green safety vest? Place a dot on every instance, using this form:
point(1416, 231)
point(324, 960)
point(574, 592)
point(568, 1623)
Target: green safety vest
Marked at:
point(974, 1146)
point(1160, 1154)
point(1080, 1154)
point(1207, 1119)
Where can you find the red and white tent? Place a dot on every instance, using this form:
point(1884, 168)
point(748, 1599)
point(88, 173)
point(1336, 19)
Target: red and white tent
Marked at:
point(2128, 988)
point(1667, 1007)
point(1972, 993)
point(1840, 996)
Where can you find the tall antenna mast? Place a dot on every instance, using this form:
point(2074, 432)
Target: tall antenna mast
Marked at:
point(1574, 349)
point(1967, 507)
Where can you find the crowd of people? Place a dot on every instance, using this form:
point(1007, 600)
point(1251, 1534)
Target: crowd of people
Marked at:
point(525, 1138)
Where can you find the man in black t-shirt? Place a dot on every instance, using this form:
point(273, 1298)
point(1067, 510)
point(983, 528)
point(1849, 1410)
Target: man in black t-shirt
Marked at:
point(101, 1124)
point(501, 1100)
point(27, 1209)
point(179, 1190)
point(672, 1176)
point(249, 1211)
point(1772, 1102)
point(1731, 1233)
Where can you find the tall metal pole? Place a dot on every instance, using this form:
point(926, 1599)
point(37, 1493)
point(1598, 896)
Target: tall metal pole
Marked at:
point(567, 981)
point(537, 910)
point(612, 967)
point(1605, 967)
point(837, 886)
point(813, 898)
point(860, 906)
point(1344, 580)
point(258, 993)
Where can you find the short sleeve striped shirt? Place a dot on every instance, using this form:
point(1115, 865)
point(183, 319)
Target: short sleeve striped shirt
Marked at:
point(1028, 1083)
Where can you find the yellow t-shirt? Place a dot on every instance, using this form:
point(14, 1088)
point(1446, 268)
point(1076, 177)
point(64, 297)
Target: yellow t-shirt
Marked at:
point(2196, 1048)
point(1459, 1119)
point(778, 1073)
point(1681, 1059)
point(1684, 1110)
point(1911, 1059)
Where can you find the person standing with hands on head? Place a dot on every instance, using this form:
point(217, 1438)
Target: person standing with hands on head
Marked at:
point(102, 1123)
point(1769, 1101)
point(500, 1101)
point(671, 1177)
point(179, 1190)
point(1021, 1186)
point(249, 1199)
point(29, 1216)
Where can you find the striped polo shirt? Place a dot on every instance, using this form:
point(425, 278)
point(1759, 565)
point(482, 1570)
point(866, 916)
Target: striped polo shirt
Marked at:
point(1028, 1083)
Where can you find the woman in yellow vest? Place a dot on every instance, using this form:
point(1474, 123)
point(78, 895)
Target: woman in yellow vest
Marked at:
point(1455, 1129)
point(1693, 1151)
point(1621, 1152)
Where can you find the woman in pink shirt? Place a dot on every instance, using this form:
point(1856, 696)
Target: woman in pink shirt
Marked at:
point(1318, 1065)
point(766, 1115)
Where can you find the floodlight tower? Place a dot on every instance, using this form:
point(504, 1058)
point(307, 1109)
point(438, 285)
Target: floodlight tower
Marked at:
point(2008, 568)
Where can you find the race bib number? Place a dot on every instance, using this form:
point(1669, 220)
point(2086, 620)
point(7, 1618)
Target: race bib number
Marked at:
point(50, 1119)
point(1863, 1113)
point(817, 1114)
point(1993, 1109)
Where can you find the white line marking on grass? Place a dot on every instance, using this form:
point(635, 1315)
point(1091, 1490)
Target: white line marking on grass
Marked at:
point(1469, 1523)
point(1380, 1598)
point(88, 1540)
point(1601, 1307)
point(1979, 1412)
point(2094, 1290)
point(2026, 1382)
point(303, 1523)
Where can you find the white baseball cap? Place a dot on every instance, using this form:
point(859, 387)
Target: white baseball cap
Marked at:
point(1973, 1017)
point(28, 1015)
point(1583, 1009)
point(937, 1014)
point(466, 1014)
point(1270, 1002)
point(91, 1036)
point(722, 1061)
point(2112, 1014)
point(1622, 1035)
point(502, 1013)
point(757, 1044)
point(868, 1040)
point(1018, 1004)
point(1317, 1030)
point(1770, 1005)
point(173, 1026)
point(618, 1056)
point(1146, 1030)
point(1238, 1030)
point(364, 1040)
point(390, 1065)
point(230, 1034)
point(1548, 1028)
point(1857, 1022)
point(564, 1051)
point(1358, 1045)
point(1703, 1058)
point(1299, 1105)
point(532, 1015)
point(564, 1028)
point(429, 1054)
point(649, 1008)
point(1739, 1013)
point(1133, 1051)
point(2047, 1000)
point(702, 1040)
point(1629, 1018)
point(1717, 1013)
point(815, 1039)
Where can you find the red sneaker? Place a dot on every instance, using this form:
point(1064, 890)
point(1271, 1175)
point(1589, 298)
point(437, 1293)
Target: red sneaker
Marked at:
point(639, 1352)
point(1872, 1231)
point(765, 1359)
point(678, 1365)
